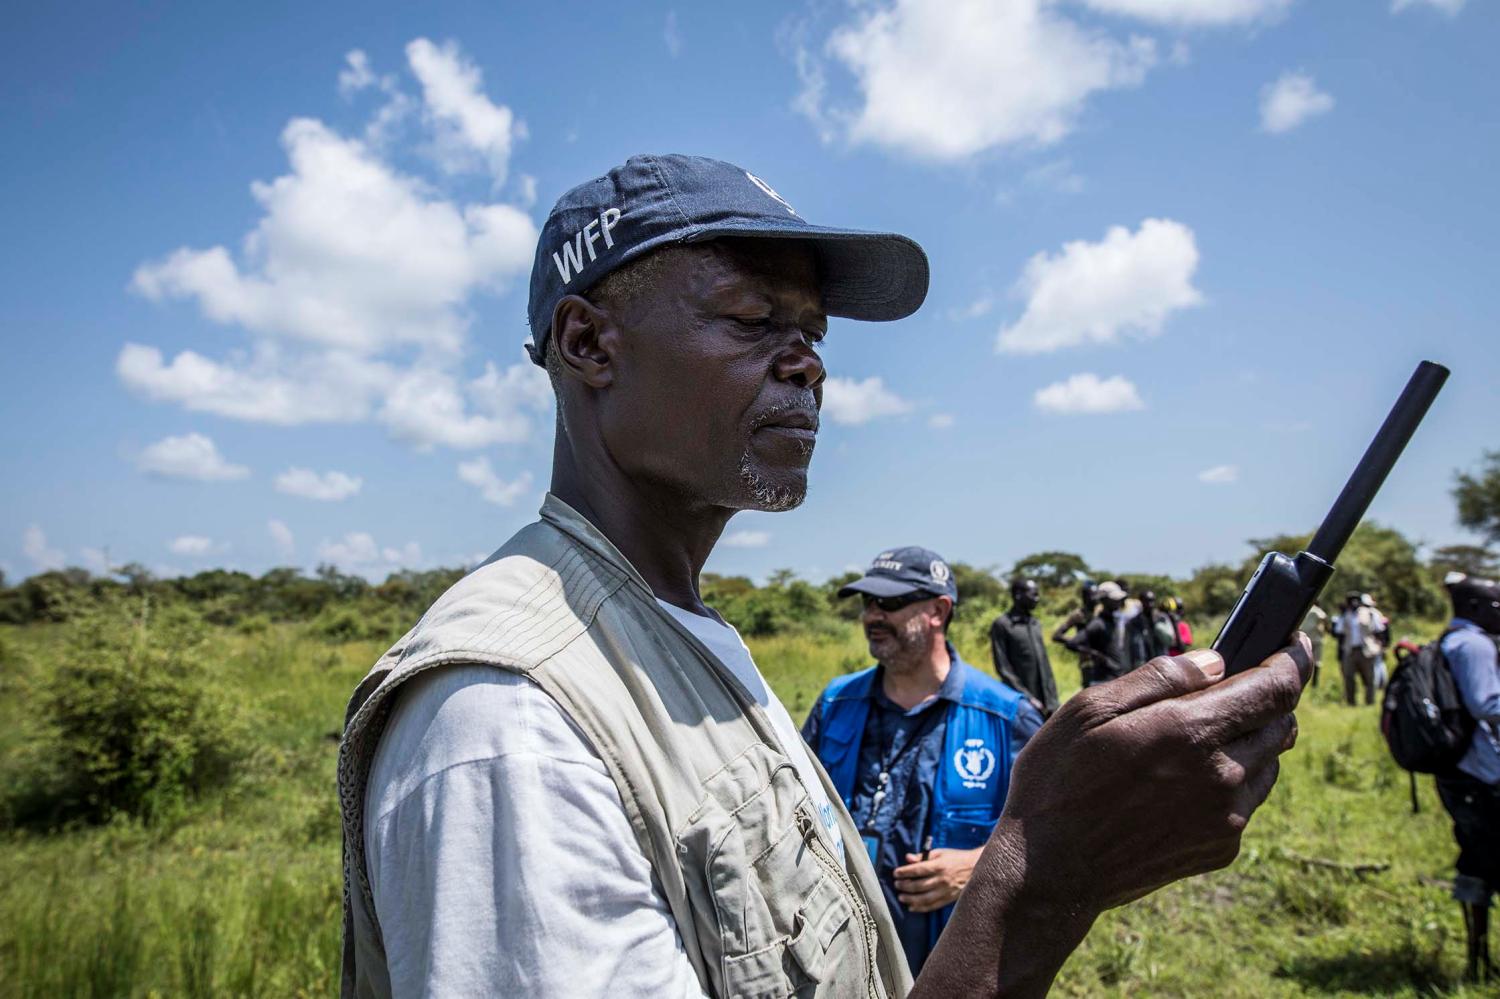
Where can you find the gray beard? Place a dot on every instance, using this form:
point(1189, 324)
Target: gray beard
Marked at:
point(768, 497)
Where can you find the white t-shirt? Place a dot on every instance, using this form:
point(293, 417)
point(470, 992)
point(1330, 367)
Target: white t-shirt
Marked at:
point(500, 856)
point(727, 646)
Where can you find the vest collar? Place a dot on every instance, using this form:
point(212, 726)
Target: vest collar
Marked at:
point(577, 527)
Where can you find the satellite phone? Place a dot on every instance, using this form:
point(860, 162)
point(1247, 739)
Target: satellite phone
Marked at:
point(1283, 589)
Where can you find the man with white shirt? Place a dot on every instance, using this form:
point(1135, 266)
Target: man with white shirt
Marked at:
point(570, 779)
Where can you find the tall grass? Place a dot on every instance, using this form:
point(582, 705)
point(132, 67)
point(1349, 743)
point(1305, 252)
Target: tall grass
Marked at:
point(238, 894)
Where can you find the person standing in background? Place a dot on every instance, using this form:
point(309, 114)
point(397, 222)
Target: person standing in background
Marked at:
point(1019, 651)
point(1361, 627)
point(1471, 792)
point(919, 746)
point(1088, 599)
point(1314, 625)
point(1102, 640)
point(1149, 633)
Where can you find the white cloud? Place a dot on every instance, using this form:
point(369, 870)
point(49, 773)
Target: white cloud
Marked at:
point(940, 421)
point(1192, 13)
point(354, 286)
point(189, 456)
point(327, 387)
point(349, 255)
point(470, 129)
point(427, 406)
point(976, 309)
point(745, 539)
point(329, 487)
point(1087, 393)
point(94, 560)
point(195, 545)
point(34, 546)
point(944, 79)
point(358, 551)
point(356, 74)
point(853, 402)
point(1220, 474)
point(1291, 100)
point(494, 489)
point(281, 537)
point(1128, 282)
point(672, 35)
point(1449, 7)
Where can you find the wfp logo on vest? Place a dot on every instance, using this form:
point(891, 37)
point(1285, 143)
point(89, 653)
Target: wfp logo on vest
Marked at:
point(570, 260)
point(974, 763)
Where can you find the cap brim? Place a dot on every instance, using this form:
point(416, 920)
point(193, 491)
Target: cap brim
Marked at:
point(879, 586)
point(874, 276)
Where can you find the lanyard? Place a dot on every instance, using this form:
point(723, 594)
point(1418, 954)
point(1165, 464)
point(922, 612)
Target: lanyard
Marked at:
point(888, 760)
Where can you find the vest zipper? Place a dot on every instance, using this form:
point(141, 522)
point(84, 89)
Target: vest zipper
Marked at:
point(869, 931)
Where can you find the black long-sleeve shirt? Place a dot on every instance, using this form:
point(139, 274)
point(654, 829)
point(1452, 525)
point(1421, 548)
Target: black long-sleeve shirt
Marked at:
point(1104, 638)
point(1020, 655)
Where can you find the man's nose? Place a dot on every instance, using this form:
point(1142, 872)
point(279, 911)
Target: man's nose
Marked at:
point(800, 365)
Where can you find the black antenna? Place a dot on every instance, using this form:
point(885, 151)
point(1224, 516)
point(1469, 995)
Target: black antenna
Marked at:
point(1380, 457)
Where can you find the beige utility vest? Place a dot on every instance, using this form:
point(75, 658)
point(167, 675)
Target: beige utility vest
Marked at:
point(764, 906)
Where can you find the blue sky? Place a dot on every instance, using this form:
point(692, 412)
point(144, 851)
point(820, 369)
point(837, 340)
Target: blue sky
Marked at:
point(263, 273)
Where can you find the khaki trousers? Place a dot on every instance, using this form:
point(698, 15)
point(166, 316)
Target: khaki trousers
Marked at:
point(1357, 663)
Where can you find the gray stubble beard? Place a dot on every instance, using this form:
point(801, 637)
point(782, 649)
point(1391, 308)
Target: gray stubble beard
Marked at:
point(766, 496)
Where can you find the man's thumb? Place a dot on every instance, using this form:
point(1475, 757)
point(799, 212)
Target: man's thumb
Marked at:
point(1166, 677)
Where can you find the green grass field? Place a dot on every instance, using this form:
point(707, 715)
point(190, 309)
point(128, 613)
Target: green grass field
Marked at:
point(238, 893)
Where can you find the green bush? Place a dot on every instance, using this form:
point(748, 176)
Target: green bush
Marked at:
point(131, 723)
point(360, 622)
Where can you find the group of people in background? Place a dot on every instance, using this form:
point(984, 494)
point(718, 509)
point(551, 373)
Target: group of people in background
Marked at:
point(920, 745)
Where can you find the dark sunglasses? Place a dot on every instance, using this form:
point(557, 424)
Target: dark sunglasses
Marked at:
point(892, 604)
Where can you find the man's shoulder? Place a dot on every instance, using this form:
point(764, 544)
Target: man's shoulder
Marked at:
point(1470, 640)
point(850, 686)
point(466, 714)
point(987, 693)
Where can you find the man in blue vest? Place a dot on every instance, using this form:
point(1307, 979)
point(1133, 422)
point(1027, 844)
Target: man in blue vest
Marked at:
point(920, 745)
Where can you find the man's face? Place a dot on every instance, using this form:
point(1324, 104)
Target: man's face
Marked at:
point(1089, 595)
point(1111, 604)
point(905, 633)
point(1026, 595)
point(717, 387)
point(1148, 601)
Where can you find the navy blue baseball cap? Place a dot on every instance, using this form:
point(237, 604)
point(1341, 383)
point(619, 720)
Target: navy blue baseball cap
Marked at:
point(896, 572)
point(654, 201)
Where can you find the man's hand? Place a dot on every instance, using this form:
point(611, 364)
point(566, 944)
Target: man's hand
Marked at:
point(1129, 786)
point(927, 885)
point(1152, 777)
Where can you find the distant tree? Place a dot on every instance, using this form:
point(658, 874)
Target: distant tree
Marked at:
point(344, 586)
point(137, 577)
point(1052, 569)
point(1478, 498)
point(976, 585)
point(1212, 589)
point(1471, 560)
point(1377, 560)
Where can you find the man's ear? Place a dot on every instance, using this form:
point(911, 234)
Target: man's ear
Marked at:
point(585, 338)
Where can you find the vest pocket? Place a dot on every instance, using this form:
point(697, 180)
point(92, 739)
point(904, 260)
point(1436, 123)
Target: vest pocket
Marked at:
point(777, 905)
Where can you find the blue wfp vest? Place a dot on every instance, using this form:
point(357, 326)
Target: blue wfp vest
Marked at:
point(973, 772)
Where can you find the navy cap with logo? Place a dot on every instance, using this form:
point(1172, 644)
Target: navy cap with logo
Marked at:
point(654, 201)
point(896, 572)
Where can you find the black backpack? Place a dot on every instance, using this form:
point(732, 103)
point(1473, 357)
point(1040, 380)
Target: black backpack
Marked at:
point(1423, 718)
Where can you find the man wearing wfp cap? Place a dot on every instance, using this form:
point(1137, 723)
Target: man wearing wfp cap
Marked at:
point(570, 778)
point(919, 746)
